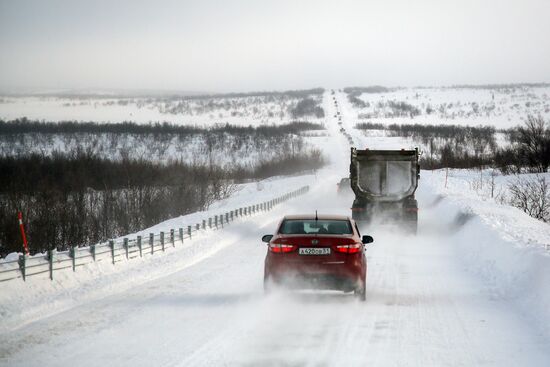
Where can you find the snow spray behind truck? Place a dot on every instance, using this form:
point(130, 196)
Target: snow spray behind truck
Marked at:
point(384, 183)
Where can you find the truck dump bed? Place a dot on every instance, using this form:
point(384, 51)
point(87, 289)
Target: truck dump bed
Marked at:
point(384, 175)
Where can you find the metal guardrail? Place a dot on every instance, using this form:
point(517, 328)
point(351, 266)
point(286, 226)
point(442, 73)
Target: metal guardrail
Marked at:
point(128, 248)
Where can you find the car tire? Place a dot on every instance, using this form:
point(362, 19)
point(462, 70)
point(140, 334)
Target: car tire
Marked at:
point(268, 285)
point(361, 291)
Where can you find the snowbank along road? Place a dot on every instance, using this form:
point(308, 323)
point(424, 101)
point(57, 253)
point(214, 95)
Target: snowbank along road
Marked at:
point(425, 305)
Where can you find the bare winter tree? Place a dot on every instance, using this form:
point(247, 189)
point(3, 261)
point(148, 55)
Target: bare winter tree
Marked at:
point(534, 143)
point(532, 196)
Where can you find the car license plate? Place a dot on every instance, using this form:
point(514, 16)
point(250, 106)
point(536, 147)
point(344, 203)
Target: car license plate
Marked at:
point(314, 251)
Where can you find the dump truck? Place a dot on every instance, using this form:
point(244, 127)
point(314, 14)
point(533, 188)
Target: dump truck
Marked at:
point(384, 183)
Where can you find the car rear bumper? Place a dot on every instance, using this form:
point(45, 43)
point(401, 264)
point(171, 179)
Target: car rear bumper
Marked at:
point(336, 275)
point(316, 281)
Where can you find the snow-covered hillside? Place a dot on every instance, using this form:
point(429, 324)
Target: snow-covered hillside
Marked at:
point(473, 288)
point(498, 107)
point(225, 149)
point(244, 110)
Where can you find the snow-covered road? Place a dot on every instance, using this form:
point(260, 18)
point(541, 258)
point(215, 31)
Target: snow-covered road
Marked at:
point(424, 308)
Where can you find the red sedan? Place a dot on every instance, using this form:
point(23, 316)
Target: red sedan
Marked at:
point(317, 252)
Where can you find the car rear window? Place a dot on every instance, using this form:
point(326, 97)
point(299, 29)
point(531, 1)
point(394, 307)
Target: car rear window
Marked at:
point(301, 226)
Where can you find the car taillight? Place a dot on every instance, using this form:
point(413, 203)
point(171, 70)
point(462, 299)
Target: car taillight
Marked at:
point(349, 249)
point(280, 248)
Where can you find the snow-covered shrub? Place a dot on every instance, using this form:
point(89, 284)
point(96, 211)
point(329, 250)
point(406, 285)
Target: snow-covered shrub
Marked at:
point(533, 142)
point(308, 107)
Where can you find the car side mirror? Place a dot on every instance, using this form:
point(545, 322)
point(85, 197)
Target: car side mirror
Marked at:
point(367, 239)
point(267, 237)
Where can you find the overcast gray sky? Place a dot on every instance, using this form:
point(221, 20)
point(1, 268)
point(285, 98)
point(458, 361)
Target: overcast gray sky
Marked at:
point(266, 45)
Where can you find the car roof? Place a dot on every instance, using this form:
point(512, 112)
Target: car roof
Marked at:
point(320, 216)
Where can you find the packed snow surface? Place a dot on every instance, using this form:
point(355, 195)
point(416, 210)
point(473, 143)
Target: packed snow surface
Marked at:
point(461, 293)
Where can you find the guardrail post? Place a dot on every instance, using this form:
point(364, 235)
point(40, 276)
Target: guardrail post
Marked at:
point(50, 261)
point(240, 212)
point(139, 246)
point(172, 238)
point(189, 230)
point(22, 265)
point(198, 226)
point(152, 242)
point(221, 219)
point(204, 224)
point(232, 215)
point(181, 235)
point(216, 221)
point(112, 244)
point(126, 247)
point(72, 253)
point(162, 240)
point(92, 251)
point(226, 217)
point(210, 222)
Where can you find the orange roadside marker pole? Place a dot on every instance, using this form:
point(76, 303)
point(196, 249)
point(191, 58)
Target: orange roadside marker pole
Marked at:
point(22, 228)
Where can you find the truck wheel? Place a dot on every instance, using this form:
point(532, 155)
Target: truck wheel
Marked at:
point(412, 228)
point(411, 218)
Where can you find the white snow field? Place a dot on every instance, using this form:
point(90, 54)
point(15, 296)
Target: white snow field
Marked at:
point(245, 111)
point(462, 292)
point(499, 107)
